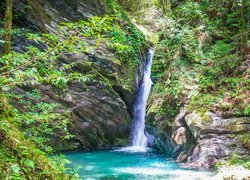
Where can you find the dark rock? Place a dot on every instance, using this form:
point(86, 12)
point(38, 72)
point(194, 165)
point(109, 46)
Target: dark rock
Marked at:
point(182, 157)
point(100, 115)
point(2, 136)
point(44, 15)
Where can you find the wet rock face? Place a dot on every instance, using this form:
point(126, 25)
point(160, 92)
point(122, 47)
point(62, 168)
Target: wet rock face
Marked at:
point(173, 138)
point(44, 15)
point(217, 138)
point(201, 140)
point(100, 115)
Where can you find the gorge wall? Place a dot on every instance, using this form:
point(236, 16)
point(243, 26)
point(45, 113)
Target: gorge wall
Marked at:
point(198, 110)
point(100, 114)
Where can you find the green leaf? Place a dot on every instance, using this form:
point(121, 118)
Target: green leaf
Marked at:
point(15, 168)
point(29, 163)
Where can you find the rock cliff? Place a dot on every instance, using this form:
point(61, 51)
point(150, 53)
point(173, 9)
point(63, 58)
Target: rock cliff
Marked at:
point(100, 114)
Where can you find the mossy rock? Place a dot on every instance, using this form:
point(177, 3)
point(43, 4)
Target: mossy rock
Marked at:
point(121, 142)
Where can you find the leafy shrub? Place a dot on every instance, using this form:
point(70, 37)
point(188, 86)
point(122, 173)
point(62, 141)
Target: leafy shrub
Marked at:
point(235, 160)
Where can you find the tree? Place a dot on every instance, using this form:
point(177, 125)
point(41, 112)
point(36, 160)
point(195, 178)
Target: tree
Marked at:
point(8, 26)
point(244, 25)
point(166, 6)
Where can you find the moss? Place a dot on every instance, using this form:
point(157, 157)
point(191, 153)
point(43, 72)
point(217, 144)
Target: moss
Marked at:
point(239, 161)
point(127, 120)
point(153, 104)
point(4, 108)
point(121, 142)
point(245, 139)
point(204, 114)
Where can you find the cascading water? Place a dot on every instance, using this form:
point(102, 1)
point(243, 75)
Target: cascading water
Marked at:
point(138, 136)
point(139, 140)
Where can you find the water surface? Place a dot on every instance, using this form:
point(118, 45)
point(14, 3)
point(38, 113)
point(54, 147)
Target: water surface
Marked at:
point(126, 164)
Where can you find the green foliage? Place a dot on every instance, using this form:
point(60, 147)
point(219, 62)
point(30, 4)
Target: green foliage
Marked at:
point(190, 13)
point(171, 88)
point(172, 93)
point(247, 110)
point(218, 76)
point(36, 66)
point(39, 122)
point(134, 7)
point(235, 160)
point(26, 136)
point(119, 35)
point(126, 40)
point(29, 131)
point(198, 59)
point(20, 158)
point(220, 59)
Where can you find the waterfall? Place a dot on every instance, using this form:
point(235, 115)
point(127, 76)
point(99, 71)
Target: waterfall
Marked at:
point(140, 104)
point(139, 140)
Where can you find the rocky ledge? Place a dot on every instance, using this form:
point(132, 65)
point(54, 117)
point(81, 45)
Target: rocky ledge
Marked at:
point(199, 140)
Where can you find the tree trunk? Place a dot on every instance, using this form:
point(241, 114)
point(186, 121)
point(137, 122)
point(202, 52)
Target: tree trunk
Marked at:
point(166, 6)
point(244, 31)
point(8, 26)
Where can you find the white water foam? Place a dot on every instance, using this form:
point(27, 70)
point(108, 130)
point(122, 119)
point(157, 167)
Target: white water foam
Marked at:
point(133, 149)
point(138, 135)
point(174, 174)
